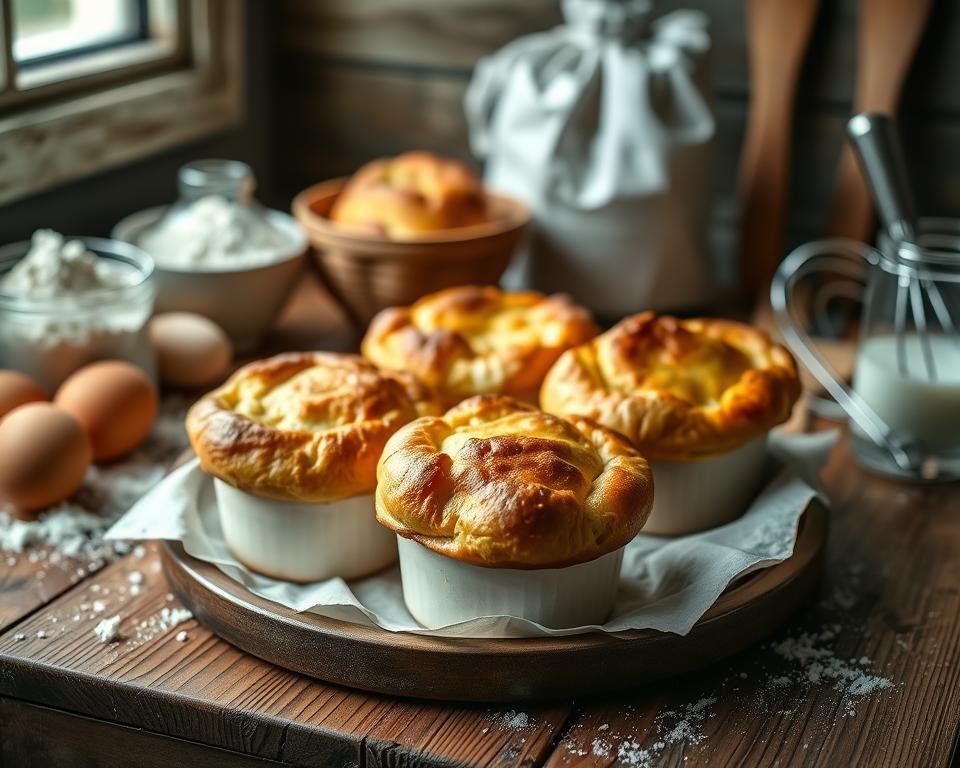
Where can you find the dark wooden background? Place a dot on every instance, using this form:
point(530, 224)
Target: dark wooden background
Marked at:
point(356, 79)
point(333, 83)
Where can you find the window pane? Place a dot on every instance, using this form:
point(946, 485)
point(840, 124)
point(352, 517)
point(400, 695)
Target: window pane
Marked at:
point(44, 29)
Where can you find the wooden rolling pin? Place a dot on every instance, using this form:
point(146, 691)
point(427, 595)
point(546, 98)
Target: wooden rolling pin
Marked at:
point(778, 32)
point(887, 38)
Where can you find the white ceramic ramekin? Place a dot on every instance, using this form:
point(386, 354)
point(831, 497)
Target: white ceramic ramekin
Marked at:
point(302, 542)
point(439, 590)
point(697, 495)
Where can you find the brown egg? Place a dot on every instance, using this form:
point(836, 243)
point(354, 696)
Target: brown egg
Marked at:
point(115, 402)
point(192, 351)
point(44, 454)
point(17, 389)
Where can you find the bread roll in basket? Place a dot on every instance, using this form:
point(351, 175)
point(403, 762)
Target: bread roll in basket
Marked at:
point(402, 228)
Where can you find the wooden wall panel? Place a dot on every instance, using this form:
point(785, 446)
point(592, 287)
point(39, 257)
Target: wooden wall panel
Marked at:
point(452, 34)
point(338, 117)
point(445, 34)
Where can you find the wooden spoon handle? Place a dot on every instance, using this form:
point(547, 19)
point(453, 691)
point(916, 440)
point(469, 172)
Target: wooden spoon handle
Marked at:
point(778, 32)
point(888, 34)
point(764, 180)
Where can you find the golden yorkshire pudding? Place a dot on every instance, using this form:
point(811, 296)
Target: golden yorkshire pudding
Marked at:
point(307, 426)
point(678, 389)
point(498, 483)
point(473, 340)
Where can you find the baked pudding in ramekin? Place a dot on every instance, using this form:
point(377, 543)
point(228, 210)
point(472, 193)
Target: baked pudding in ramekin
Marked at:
point(292, 443)
point(478, 340)
point(696, 397)
point(503, 510)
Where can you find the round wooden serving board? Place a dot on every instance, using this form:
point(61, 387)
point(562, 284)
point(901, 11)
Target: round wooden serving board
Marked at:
point(487, 669)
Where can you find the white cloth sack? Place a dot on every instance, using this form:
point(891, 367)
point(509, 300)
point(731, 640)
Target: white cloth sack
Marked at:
point(665, 584)
point(601, 126)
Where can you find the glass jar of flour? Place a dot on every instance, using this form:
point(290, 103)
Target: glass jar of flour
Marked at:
point(66, 302)
point(904, 405)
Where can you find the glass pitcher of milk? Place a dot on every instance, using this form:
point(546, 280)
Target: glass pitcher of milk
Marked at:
point(904, 405)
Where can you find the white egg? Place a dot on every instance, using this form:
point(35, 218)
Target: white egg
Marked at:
point(192, 351)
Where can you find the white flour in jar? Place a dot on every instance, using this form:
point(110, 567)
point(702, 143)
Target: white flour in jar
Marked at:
point(214, 233)
point(53, 268)
point(50, 327)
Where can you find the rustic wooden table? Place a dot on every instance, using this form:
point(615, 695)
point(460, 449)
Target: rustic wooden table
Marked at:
point(867, 675)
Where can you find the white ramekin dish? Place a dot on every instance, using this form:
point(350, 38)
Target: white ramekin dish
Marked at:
point(303, 542)
point(697, 495)
point(439, 590)
point(245, 301)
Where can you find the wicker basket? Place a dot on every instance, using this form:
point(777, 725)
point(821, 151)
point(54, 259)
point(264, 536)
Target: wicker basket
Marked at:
point(366, 273)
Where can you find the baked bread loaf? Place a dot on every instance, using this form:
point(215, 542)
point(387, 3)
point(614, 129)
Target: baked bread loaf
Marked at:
point(307, 426)
point(411, 196)
point(498, 483)
point(475, 340)
point(678, 389)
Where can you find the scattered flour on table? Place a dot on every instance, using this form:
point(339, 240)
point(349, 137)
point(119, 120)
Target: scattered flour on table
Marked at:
point(514, 720)
point(161, 622)
point(170, 617)
point(820, 665)
point(107, 630)
point(73, 529)
point(672, 728)
point(601, 748)
point(801, 661)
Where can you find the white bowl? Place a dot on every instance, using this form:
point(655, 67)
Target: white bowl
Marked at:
point(698, 495)
point(302, 542)
point(439, 590)
point(245, 301)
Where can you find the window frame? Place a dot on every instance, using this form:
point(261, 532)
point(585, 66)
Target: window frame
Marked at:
point(141, 34)
point(57, 131)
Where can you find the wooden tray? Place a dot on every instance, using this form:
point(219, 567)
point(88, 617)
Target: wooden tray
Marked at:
point(485, 669)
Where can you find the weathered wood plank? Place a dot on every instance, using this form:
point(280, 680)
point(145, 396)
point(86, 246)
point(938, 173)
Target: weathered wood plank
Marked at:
point(204, 690)
point(39, 737)
point(26, 585)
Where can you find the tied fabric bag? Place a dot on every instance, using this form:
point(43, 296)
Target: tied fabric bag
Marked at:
point(601, 126)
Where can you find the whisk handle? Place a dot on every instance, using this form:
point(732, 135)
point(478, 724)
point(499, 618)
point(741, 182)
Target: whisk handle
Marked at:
point(877, 144)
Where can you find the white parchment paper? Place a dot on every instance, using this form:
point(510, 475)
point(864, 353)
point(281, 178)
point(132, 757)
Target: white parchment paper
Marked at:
point(665, 584)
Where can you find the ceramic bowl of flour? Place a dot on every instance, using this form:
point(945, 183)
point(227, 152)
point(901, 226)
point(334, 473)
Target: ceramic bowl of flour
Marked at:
point(242, 289)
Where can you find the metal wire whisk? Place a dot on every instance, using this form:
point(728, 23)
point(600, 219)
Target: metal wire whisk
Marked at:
point(878, 147)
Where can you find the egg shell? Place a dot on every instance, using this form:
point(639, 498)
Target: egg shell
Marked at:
point(44, 454)
point(192, 350)
point(17, 389)
point(115, 402)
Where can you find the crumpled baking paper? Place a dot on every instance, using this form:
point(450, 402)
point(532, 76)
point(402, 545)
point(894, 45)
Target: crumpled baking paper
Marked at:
point(666, 584)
